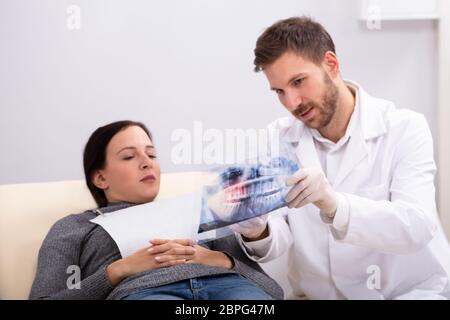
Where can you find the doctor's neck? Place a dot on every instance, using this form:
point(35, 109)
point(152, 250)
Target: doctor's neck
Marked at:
point(345, 105)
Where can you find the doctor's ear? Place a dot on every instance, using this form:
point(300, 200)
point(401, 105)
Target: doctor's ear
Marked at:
point(99, 180)
point(331, 64)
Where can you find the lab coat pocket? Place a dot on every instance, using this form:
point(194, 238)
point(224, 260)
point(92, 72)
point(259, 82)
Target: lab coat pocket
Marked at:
point(378, 192)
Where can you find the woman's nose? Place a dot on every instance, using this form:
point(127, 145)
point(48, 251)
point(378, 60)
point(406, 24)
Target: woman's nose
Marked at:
point(146, 163)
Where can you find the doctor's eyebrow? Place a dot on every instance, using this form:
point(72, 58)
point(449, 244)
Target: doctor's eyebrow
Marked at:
point(134, 148)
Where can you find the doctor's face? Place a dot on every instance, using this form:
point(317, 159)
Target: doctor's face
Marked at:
point(131, 172)
point(304, 88)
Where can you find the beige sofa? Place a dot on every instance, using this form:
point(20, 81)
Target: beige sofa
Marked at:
point(27, 212)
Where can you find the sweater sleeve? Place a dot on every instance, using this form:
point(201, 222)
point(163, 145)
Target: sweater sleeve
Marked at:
point(59, 274)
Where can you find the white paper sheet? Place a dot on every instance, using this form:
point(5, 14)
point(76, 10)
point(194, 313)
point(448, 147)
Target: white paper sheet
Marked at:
point(132, 228)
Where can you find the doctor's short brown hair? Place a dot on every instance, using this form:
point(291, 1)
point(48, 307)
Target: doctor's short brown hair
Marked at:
point(301, 35)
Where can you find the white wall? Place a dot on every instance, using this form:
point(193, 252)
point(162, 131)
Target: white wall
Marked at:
point(168, 63)
point(444, 115)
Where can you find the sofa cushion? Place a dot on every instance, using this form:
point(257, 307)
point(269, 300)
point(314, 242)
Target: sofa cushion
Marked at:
point(27, 211)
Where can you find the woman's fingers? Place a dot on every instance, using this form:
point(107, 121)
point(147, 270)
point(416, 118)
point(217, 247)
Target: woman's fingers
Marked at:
point(170, 257)
point(183, 242)
point(162, 247)
point(171, 248)
point(171, 263)
point(156, 242)
point(181, 251)
point(155, 249)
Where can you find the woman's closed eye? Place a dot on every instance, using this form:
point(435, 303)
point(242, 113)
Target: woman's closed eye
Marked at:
point(151, 156)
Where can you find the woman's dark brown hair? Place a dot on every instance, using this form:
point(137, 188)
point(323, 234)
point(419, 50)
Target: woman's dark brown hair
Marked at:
point(94, 157)
point(301, 35)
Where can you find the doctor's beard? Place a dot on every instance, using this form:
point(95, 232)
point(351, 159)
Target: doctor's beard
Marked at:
point(324, 110)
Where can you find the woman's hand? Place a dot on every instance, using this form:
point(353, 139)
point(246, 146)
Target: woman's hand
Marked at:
point(148, 258)
point(209, 257)
point(201, 255)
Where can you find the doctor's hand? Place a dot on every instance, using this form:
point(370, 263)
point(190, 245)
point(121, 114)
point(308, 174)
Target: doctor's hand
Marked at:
point(311, 186)
point(252, 229)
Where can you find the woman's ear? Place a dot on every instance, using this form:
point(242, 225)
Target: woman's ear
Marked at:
point(99, 180)
point(331, 64)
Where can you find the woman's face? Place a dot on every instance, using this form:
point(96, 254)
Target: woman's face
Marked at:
point(132, 172)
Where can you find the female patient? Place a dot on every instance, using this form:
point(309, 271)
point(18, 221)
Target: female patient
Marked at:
point(121, 170)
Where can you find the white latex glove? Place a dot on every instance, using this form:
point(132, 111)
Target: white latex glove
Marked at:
point(252, 228)
point(311, 186)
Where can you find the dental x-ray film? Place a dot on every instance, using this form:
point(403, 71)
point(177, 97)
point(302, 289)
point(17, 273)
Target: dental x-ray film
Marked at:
point(242, 192)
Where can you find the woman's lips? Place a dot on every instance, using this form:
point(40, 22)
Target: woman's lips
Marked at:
point(149, 178)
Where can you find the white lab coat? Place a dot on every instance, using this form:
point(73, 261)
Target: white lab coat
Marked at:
point(394, 246)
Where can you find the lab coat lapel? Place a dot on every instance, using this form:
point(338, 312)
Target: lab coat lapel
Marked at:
point(306, 151)
point(370, 125)
point(356, 152)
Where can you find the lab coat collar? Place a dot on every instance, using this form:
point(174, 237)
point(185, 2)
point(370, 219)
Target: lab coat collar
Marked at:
point(372, 123)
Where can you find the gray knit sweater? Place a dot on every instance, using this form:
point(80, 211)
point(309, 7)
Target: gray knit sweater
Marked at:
point(75, 241)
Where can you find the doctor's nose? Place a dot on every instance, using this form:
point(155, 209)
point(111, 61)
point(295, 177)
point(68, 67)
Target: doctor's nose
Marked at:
point(292, 101)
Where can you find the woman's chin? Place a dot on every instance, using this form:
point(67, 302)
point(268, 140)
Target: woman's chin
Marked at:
point(148, 197)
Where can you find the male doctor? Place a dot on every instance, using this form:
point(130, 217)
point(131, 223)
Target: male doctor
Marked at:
point(361, 221)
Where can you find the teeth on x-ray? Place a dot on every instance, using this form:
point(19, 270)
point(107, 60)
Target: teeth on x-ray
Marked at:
point(251, 188)
point(244, 192)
